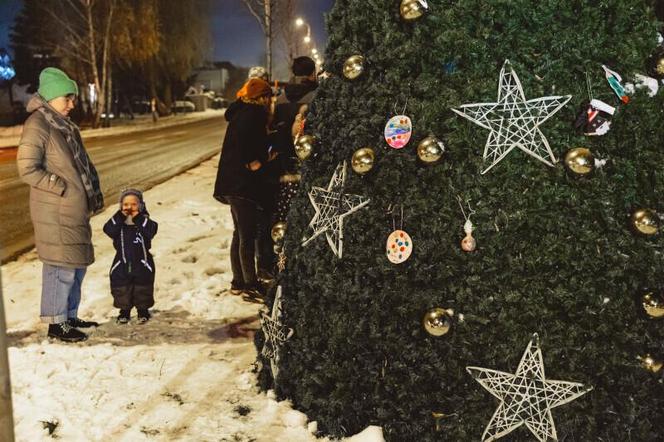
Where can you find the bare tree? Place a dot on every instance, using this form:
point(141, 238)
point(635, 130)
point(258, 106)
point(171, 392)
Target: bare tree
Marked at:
point(82, 32)
point(284, 21)
point(262, 11)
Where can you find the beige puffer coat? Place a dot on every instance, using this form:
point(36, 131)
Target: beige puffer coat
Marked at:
point(58, 202)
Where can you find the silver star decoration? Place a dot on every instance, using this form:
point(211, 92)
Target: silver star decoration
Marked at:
point(281, 261)
point(332, 206)
point(275, 333)
point(513, 121)
point(526, 397)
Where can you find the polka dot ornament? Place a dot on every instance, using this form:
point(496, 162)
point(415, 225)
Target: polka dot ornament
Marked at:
point(399, 247)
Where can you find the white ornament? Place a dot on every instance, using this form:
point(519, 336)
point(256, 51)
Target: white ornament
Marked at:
point(332, 206)
point(275, 333)
point(526, 397)
point(513, 121)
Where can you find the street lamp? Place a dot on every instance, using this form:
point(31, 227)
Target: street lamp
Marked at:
point(299, 22)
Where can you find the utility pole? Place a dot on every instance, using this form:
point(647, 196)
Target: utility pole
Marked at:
point(6, 419)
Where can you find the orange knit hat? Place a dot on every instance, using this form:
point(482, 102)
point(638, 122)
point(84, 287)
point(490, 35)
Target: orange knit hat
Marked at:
point(255, 88)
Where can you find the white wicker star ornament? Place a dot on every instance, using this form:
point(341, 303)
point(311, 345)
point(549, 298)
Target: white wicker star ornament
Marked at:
point(332, 206)
point(275, 333)
point(526, 397)
point(513, 121)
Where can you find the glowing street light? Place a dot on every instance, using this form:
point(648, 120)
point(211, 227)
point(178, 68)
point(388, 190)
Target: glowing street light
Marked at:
point(307, 39)
point(315, 52)
point(299, 22)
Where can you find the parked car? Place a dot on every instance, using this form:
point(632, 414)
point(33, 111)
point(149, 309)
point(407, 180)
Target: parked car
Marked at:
point(182, 106)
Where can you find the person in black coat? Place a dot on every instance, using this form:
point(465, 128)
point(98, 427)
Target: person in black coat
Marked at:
point(133, 270)
point(241, 182)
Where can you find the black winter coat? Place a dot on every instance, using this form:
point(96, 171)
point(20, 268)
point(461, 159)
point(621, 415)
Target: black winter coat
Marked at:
point(133, 262)
point(246, 141)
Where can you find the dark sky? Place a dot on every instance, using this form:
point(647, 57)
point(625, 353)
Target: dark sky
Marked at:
point(236, 35)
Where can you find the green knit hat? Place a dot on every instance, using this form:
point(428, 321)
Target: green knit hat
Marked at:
point(54, 83)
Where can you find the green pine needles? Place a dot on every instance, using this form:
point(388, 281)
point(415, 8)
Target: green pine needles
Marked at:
point(555, 253)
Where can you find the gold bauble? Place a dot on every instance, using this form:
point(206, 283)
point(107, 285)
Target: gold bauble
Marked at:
point(580, 161)
point(304, 146)
point(653, 305)
point(413, 9)
point(656, 64)
point(645, 221)
point(651, 364)
point(438, 321)
point(430, 150)
point(363, 160)
point(278, 231)
point(353, 67)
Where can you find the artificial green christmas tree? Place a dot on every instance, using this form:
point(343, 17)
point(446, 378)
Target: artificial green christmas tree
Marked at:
point(560, 229)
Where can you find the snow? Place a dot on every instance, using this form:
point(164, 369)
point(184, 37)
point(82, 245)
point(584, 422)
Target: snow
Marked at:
point(11, 135)
point(186, 375)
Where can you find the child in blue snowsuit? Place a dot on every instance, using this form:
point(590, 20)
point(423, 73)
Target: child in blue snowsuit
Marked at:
point(132, 272)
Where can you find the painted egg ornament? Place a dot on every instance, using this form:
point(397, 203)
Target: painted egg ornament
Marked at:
point(398, 131)
point(399, 246)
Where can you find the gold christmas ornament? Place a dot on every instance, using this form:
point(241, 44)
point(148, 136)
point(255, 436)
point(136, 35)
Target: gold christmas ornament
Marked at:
point(645, 221)
point(437, 416)
point(363, 160)
point(656, 64)
point(430, 150)
point(438, 321)
point(651, 364)
point(413, 9)
point(580, 161)
point(354, 67)
point(278, 231)
point(304, 146)
point(653, 305)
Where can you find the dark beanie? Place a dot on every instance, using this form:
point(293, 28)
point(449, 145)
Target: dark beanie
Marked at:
point(303, 67)
point(137, 193)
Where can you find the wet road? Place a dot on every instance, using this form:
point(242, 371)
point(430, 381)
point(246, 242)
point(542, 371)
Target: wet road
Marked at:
point(139, 159)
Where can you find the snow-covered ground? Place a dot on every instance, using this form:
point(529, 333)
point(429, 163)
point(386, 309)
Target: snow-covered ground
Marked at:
point(186, 375)
point(11, 135)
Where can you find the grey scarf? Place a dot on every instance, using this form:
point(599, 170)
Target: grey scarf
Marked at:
point(84, 166)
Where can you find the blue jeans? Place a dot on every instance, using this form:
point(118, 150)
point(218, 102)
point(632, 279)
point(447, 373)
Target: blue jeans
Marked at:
point(61, 293)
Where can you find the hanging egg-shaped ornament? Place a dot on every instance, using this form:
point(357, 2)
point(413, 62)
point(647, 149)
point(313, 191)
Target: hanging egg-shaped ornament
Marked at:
point(398, 131)
point(411, 10)
point(363, 160)
point(430, 150)
point(468, 243)
point(645, 221)
point(353, 67)
point(399, 247)
point(304, 146)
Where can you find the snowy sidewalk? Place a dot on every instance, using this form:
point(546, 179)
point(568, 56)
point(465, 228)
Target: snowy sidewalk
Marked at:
point(186, 375)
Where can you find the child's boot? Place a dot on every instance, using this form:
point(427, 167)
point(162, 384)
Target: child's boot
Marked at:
point(143, 315)
point(123, 317)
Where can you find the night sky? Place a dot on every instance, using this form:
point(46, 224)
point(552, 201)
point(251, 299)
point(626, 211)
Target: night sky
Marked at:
point(236, 35)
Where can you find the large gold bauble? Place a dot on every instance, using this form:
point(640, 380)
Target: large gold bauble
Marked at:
point(354, 67)
point(650, 363)
point(580, 161)
point(656, 64)
point(304, 146)
point(438, 321)
point(413, 9)
point(645, 221)
point(653, 305)
point(278, 231)
point(430, 150)
point(363, 160)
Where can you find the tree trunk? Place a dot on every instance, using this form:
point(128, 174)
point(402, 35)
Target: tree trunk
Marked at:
point(98, 104)
point(6, 419)
point(268, 36)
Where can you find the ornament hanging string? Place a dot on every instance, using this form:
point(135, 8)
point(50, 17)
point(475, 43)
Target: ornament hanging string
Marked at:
point(589, 86)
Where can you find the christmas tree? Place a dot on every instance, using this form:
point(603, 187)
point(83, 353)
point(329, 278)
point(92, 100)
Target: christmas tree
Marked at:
point(526, 138)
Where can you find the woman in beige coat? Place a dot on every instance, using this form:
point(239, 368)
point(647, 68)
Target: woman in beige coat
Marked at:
point(64, 193)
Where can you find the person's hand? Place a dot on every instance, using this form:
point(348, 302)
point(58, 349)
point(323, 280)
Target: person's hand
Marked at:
point(254, 165)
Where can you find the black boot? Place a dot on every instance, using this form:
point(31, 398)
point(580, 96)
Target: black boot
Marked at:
point(143, 315)
point(79, 323)
point(65, 332)
point(123, 317)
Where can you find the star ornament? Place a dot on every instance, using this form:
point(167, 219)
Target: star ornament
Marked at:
point(512, 121)
point(332, 206)
point(526, 397)
point(276, 334)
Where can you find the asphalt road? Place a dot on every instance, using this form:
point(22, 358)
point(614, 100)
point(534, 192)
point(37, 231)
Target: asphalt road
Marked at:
point(140, 159)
